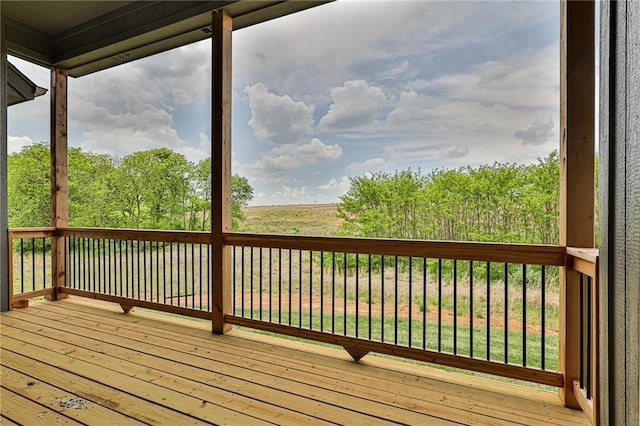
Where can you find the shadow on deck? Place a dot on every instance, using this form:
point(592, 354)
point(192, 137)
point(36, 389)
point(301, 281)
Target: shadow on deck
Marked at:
point(84, 362)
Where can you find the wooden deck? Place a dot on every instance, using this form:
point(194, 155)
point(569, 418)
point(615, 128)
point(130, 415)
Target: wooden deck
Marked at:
point(82, 362)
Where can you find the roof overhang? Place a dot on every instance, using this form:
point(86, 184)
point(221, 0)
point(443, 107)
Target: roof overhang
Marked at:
point(20, 88)
point(87, 36)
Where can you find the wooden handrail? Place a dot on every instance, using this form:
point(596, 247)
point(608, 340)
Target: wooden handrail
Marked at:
point(491, 252)
point(190, 237)
point(32, 232)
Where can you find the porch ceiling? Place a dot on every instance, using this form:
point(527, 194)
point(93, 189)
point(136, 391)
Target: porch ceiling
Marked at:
point(88, 36)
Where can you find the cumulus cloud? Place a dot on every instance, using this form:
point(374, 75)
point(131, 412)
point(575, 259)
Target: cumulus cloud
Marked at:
point(456, 151)
point(377, 163)
point(16, 143)
point(275, 118)
point(538, 133)
point(275, 165)
point(333, 184)
point(355, 105)
point(290, 157)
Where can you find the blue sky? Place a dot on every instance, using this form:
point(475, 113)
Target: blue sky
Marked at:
point(338, 91)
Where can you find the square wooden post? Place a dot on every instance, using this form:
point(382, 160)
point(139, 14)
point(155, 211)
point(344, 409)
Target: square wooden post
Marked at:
point(59, 181)
point(577, 174)
point(222, 27)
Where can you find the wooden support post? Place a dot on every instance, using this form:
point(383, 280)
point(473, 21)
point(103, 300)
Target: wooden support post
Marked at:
point(577, 153)
point(221, 169)
point(59, 185)
point(5, 284)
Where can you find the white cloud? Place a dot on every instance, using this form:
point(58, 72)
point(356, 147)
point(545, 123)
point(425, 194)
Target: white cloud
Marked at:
point(275, 165)
point(538, 133)
point(16, 143)
point(355, 105)
point(275, 118)
point(456, 151)
point(199, 152)
point(375, 164)
point(333, 184)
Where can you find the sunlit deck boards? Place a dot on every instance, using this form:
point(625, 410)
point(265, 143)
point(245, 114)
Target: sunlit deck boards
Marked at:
point(148, 368)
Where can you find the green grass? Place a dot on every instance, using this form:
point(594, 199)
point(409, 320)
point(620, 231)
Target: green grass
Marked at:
point(463, 342)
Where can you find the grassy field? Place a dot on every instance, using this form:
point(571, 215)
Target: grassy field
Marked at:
point(308, 219)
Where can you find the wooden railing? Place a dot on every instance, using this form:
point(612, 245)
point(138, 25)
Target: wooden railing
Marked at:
point(585, 263)
point(485, 307)
point(30, 271)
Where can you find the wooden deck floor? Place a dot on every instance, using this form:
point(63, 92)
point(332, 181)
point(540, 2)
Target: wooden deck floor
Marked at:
point(80, 362)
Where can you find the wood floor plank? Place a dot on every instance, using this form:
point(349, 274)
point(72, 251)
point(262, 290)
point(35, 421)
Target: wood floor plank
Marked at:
point(320, 402)
point(183, 356)
point(171, 374)
point(7, 422)
point(21, 410)
point(60, 400)
point(158, 394)
point(271, 376)
point(129, 405)
point(512, 408)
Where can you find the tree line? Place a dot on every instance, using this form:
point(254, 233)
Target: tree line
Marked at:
point(153, 189)
point(503, 202)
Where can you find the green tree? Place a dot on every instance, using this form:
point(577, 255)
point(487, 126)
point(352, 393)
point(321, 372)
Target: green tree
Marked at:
point(29, 187)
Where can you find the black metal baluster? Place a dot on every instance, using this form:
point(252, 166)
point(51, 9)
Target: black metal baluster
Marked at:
point(506, 313)
point(251, 280)
point(439, 305)
point(44, 264)
point(590, 330)
point(344, 299)
point(383, 297)
point(524, 315)
point(33, 264)
point(121, 281)
point(369, 297)
point(171, 273)
point(242, 279)
point(193, 277)
point(471, 311)
point(455, 306)
point(164, 272)
point(300, 288)
point(279, 286)
point(290, 284)
point(260, 282)
point(84, 264)
point(582, 329)
point(310, 289)
point(271, 286)
point(321, 291)
point(410, 334)
point(333, 292)
point(543, 318)
point(395, 312)
point(209, 280)
point(200, 276)
point(234, 277)
point(21, 265)
point(488, 311)
point(424, 303)
point(357, 293)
